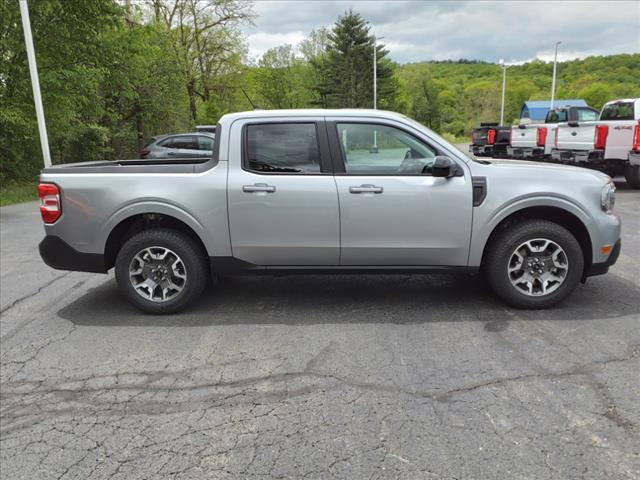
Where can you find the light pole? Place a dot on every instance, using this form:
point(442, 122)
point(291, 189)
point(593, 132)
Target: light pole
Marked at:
point(35, 84)
point(553, 81)
point(504, 87)
point(375, 71)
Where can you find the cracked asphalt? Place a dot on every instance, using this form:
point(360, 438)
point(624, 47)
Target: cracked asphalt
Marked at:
point(353, 377)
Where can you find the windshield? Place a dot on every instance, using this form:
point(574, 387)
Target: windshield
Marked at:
point(617, 111)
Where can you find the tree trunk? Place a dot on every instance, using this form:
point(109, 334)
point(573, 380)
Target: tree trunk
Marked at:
point(140, 126)
point(191, 90)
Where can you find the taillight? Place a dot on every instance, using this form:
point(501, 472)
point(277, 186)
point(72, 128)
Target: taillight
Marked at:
point(541, 136)
point(555, 141)
point(636, 138)
point(50, 206)
point(600, 140)
point(491, 136)
point(144, 152)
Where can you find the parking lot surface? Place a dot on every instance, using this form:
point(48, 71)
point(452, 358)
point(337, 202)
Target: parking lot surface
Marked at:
point(346, 377)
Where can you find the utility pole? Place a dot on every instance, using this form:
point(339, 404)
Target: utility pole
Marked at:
point(553, 81)
point(504, 87)
point(35, 83)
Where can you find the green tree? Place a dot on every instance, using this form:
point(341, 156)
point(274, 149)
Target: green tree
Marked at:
point(345, 71)
point(596, 94)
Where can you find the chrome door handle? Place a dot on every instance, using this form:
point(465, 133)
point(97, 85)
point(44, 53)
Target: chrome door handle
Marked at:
point(365, 189)
point(258, 187)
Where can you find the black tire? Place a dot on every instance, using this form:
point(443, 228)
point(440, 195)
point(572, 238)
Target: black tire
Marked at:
point(188, 251)
point(632, 174)
point(504, 244)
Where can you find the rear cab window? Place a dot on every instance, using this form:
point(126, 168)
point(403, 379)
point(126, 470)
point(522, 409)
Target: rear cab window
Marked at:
point(556, 116)
point(618, 111)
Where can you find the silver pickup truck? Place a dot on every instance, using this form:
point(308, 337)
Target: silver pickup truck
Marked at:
point(328, 191)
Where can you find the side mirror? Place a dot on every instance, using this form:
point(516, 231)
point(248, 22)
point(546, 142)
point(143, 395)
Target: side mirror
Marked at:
point(443, 166)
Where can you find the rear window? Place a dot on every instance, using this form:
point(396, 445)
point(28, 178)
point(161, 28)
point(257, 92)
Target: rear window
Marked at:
point(587, 115)
point(556, 116)
point(618, 111)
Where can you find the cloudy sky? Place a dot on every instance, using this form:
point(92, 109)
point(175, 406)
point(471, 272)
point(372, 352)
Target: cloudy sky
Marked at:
point(419, 30)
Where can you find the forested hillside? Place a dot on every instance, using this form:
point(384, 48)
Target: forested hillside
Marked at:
point(114, 73)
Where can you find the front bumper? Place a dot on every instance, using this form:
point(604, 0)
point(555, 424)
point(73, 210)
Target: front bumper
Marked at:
point(603, 267)
point(60, 255)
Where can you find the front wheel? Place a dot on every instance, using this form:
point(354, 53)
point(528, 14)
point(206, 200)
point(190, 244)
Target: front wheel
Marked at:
point(632, 175)
point(534, 264)
point(161, 271)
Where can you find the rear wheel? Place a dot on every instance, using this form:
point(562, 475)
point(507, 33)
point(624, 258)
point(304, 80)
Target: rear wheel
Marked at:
point(632, 174)
point(161, 271)
point(534, 264)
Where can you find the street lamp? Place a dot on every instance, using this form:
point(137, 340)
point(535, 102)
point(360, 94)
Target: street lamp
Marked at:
point(553, 81)
point(504, 87)
point(375, 71)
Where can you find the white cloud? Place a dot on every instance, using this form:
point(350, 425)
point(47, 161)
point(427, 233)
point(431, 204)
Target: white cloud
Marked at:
point(416, 30)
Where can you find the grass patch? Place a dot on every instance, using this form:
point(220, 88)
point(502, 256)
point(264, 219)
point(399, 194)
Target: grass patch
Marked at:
point(18, 192)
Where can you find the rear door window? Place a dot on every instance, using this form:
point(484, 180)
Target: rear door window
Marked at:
point(205, 143)
point(187, 142)
point(282, 148)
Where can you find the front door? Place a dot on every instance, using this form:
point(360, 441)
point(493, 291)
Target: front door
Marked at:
point(283, 202)
point(392, 211)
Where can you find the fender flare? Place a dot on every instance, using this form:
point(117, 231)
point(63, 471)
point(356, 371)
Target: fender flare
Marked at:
point(480, 238)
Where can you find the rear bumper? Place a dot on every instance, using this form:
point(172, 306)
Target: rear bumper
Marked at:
point(589, 156)
point(561, 155)
point(525, 152)
point(603, 267)
point(481, 150)
point(634, 158)
point(60, 255)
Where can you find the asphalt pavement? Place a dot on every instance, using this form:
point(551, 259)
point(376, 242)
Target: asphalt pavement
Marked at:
point(345, 377)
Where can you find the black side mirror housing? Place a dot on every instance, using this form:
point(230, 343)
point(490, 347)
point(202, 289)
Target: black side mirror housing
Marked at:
point(443, 166)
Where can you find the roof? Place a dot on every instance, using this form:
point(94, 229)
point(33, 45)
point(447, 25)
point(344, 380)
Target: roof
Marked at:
point(314, 112)
point(556, 103)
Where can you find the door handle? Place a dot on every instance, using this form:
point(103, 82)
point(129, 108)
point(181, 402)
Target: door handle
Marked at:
point(171, 153)
point(365, 189)
point(258, 187)
point(574, 133)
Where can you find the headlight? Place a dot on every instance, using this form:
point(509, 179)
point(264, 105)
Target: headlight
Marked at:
point(608, 197)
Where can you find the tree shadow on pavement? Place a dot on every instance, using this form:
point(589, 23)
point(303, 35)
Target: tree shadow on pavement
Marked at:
point(350, 299)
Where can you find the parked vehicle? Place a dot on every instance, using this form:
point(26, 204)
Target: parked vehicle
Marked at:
point(603, 144)
point(535, 140)
point(184, 145)
point(490, 140)
point(634, 158)
point(303, 191)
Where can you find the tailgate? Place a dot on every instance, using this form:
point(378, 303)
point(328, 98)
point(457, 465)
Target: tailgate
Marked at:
point(479, 136)
point(576, 138)
point(619, 139)
point(524, 137)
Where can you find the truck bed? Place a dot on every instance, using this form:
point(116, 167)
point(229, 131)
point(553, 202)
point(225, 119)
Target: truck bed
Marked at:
point(153, 165)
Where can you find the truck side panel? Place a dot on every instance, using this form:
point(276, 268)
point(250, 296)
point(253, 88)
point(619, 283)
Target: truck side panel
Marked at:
point(93, 204)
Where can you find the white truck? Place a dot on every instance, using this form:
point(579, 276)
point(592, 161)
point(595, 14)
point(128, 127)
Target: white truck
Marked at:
point(606, 144)
point(536, 140)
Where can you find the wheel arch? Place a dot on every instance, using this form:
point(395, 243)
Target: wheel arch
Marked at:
point(556, 214)
point(137, 222)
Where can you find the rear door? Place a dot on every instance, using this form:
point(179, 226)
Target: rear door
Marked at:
point(283, 202)
point(392, 210)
